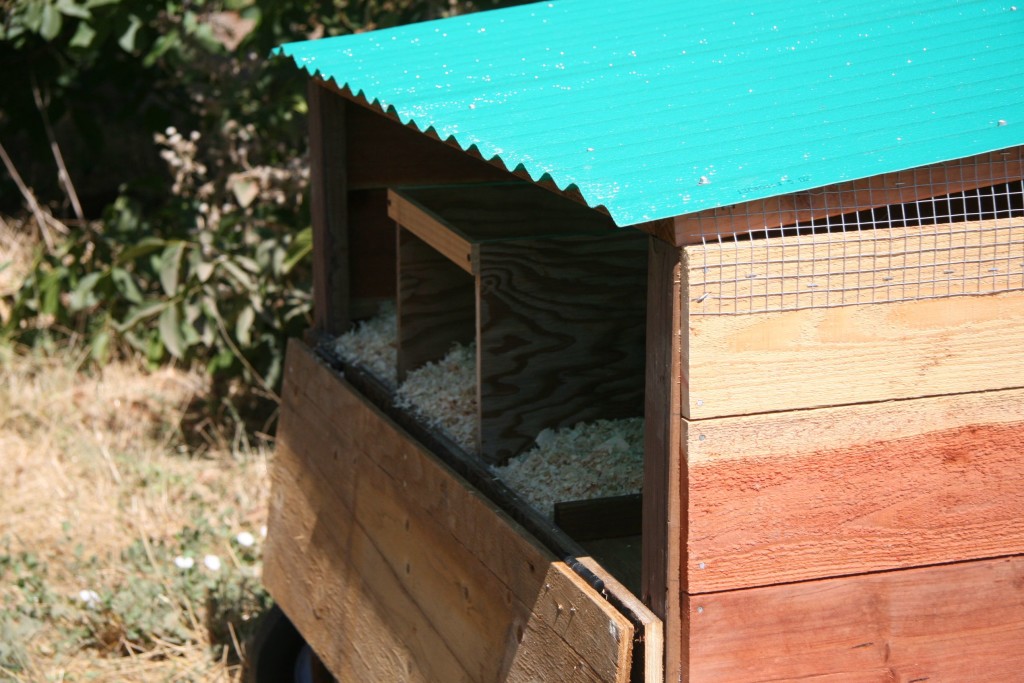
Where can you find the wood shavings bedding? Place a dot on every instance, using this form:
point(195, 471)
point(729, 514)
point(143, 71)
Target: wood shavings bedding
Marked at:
point(589, 460)
point(443, 394)
point(373, 345)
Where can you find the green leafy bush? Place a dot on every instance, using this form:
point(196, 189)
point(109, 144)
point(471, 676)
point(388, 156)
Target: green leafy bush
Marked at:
point(187, 142)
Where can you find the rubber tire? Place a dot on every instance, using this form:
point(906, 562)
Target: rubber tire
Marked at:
point(273, 650)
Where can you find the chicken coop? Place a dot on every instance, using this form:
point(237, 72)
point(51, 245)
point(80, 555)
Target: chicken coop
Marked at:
point(662, 343)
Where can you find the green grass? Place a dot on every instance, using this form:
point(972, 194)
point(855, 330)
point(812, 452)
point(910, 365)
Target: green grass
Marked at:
point(106, 517)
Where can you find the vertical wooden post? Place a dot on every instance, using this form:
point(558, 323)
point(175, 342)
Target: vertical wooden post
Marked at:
point(664, 508)
point(329, 208)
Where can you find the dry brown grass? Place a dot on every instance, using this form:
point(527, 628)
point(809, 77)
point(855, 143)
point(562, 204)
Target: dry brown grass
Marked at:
point(91, 466)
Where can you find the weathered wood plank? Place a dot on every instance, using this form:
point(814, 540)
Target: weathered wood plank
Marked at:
point(465, 593)
point(959, 622)
point(560, 335)
point(871, 266)
point(455, 247)
point(436, 304)
point(664, 510)
point(784, 497)
point(891, 188)
point(742, 364)
point(329, 209)
point(649, 666)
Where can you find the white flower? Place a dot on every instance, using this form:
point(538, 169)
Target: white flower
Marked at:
point(212, 563)
point(263, 531)
point(245, 539)
point(89, 597)
point(182, 562)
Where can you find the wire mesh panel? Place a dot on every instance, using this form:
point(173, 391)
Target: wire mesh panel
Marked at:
point(947, 230)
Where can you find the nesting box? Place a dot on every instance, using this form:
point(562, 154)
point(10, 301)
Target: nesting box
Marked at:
point(791, 238)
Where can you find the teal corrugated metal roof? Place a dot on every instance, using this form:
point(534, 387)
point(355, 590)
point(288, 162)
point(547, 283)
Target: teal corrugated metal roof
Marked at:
point(663, 108)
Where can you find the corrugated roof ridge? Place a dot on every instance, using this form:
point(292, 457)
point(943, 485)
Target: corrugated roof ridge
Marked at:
point(592, 201)
point(672, 153)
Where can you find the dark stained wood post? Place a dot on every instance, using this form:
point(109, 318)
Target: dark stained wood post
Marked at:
point(329, 204)
point(664, 508)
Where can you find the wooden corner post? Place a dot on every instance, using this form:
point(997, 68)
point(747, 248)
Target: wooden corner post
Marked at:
point(329, 208)
point(664, 511)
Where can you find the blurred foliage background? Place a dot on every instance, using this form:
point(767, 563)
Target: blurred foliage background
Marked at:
point(159, 152)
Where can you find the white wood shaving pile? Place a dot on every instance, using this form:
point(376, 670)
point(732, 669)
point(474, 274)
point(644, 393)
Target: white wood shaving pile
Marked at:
point(373, 345)
point(443, 394)
point(589, 460)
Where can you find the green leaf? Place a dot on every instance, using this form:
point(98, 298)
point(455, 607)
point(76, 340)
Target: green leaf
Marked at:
point(301, 246)
point(145, 246)
point(170, 331)
point(140, 313)
point(83, 296)
point(84, 35)
point(125, 284)
point(99, 348)
point(247, 263)
point(127, 39)
point(162, 46)
point(49, 27)
point(69, 9)
point(243, 326)
point(50, 289)
point(170, 267)
point(239, 275)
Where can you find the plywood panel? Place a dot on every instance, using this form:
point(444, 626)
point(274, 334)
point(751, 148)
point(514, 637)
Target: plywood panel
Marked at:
point(372, 261)
point(790, 496)
point(449, 587)
point(560, 335)
point(436, 304)
point(742, 364)
point(959, 622)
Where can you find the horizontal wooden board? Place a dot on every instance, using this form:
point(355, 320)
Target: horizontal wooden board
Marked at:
point(890, 188)
point(960, 622)
point(783, 497)
point(414, 218)
point(411, 576)
point(742, 364)
point(845, 268)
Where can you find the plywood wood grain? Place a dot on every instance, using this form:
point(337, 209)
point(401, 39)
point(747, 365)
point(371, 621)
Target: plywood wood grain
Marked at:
point(560, 335)
point(447, 587)
point(958, 622)
point(791, 496)
point(436, 304)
